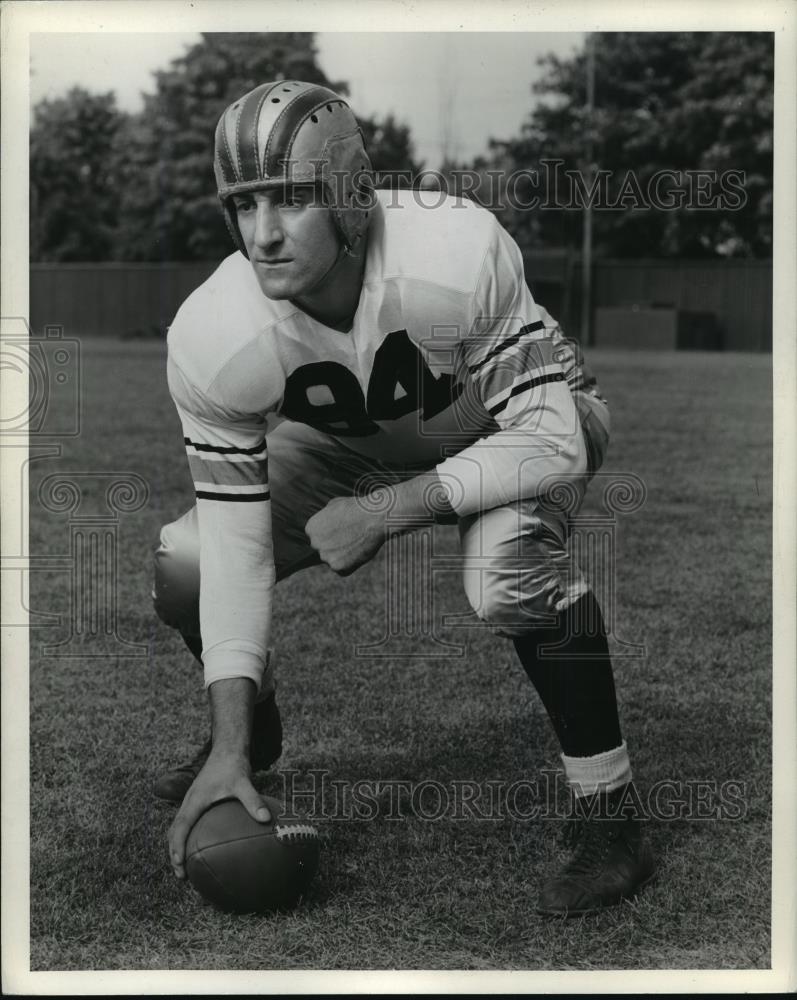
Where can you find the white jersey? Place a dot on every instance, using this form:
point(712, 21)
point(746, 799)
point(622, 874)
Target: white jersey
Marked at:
point(449, 364)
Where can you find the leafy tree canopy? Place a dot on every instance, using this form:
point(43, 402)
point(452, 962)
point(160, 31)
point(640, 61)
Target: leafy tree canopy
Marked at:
point(105, 185)
point(148, 182)
point(169, 206)
point(72, 181)
point(677, 102)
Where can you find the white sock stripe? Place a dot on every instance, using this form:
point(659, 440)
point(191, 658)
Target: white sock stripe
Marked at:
point(603, 772)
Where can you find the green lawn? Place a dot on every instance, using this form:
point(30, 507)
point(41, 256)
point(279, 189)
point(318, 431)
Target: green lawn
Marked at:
point(692, 585)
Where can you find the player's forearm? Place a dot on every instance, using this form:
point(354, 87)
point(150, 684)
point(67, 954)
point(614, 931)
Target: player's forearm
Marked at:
point(519, 461)
point(237, 581)
point(501, 469)
point(231, 706)
point(420, 500)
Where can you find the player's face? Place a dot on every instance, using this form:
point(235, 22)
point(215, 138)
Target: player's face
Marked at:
point(290, 238)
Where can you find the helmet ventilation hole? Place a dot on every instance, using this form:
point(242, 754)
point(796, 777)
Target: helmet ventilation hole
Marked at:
point(275, 100)
point(329, 108)
point(314, 119)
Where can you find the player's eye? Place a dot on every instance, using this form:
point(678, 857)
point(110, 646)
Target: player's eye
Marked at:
point(243, 204)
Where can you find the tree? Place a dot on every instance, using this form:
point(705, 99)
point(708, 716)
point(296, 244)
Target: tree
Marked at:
point(678, 102)
point(389, 146)
point(74, 201)
point(169, 206)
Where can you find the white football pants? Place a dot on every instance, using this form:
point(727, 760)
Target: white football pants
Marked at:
point(516, 567)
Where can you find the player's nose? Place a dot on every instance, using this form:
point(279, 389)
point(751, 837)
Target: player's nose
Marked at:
point(268, 224)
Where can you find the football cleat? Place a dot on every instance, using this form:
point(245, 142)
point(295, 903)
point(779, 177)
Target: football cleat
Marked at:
point(265, 750)
point(611, 861)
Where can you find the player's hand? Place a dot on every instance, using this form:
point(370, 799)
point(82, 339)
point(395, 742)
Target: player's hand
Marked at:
point(223, 777)
point(345, 535)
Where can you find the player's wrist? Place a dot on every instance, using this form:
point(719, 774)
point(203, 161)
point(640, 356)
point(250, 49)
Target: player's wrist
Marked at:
point(421, 499)
point(230, 755)
point(231, 707)
point(370, 516)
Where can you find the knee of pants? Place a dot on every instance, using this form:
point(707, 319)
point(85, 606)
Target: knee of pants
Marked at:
point(175, 592)
point(518, 573)
point(514, 601)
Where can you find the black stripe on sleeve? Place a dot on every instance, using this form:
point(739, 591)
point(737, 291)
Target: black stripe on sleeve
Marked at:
point(223, 450)
point(531, 383)
point(233, 497)
point(509, 342)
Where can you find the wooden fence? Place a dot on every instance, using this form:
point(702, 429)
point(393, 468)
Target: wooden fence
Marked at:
point(738, 293)
point(111, 300)
point(125, 300)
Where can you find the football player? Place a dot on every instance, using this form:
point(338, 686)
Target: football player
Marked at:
point(357, 338)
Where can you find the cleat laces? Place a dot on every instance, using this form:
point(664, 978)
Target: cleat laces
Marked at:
point(590, 840)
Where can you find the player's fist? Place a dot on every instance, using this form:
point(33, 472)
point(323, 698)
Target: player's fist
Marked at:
point(345, 535)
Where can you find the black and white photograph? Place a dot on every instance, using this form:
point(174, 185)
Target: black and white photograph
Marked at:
point(398, 498)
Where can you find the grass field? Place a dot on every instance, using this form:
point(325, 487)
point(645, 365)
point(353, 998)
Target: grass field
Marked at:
point(693, 585)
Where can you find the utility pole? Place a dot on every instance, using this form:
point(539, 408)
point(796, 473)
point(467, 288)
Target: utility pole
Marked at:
point(446, 91)
point(586, 236)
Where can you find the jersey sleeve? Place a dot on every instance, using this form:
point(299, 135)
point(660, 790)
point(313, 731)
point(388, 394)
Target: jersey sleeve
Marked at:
point(229, 465)
point(511, 366)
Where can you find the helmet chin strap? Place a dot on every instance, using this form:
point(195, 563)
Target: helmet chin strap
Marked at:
point(344, 251)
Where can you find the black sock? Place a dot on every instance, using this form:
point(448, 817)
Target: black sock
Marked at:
point(575, 680)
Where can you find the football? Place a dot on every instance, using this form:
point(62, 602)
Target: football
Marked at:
point(243, 866)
